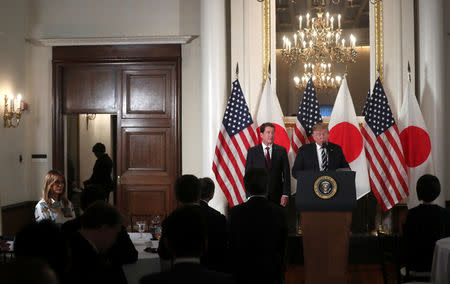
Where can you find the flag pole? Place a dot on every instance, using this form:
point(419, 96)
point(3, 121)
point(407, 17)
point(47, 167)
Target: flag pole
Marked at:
point(237, 71)
point(409, 72)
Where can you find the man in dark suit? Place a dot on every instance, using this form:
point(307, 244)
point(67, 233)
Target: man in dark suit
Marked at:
point(215, 258)
point(100, 227)
point(187, 193)
point(274, 159)
point(100, 179)
point(185, 233)
point(258, 234)
point(321, 155)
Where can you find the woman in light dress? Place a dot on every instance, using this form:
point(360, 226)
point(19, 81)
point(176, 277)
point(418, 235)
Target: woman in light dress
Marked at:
point(54, 204)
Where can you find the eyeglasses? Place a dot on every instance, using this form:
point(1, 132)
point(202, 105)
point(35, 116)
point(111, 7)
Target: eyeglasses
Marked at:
point(59, 182)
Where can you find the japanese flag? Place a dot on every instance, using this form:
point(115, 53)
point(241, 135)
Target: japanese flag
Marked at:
point(344, 131)
point(416, 145)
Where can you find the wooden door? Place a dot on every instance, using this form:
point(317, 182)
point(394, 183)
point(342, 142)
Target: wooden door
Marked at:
point(141, 84)
point(148, 138)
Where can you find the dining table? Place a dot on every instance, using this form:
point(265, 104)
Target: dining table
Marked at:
point(147, 263)
point(440, 269)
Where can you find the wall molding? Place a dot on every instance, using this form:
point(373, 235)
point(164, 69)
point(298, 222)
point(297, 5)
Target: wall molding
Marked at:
point(179, 39)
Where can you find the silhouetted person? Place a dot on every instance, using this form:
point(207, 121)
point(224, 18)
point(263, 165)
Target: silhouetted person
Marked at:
point(185, 233)
point(27, 271)
point(101, 224)
point(187, 193)
point(45, 241)
point(258, 234)
point(425, 224)
point(100, 179)
point(122, 251)
point(215, 257)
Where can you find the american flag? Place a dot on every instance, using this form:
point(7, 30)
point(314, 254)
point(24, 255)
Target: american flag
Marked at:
point(308, 115)
point(237, 135)
point(387, 166)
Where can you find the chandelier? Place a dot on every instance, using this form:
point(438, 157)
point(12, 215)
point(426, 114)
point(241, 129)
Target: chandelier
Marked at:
point(318, 43)
point(321, 75)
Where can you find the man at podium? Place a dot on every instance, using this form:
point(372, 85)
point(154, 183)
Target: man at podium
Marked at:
point(321, 155)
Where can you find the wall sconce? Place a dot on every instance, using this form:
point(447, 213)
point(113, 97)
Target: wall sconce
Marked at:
point(14, 106)
point(89, 116)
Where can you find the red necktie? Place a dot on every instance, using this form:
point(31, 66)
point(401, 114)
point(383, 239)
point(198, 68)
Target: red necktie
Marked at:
point(267, 157)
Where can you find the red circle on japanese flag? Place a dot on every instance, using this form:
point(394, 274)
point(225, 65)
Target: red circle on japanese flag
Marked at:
point(416, 145)
point(281, 136)
point(349, 138)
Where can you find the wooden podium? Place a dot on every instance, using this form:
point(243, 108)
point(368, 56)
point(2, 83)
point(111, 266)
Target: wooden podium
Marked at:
point(325, 201)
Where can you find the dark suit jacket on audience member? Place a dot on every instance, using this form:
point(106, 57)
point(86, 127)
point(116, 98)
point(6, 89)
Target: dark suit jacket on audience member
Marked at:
point(279, 175)
point(258, 237)
point(307, 160)
point(215, 256)
point(424, 225)
point(188, 273)
point(89, 267)
point(122, 252)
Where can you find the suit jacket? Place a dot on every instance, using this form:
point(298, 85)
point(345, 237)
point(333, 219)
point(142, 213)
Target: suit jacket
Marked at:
point(188, 273)
point(215, 256)
point(88, 266)
point(279, 175)
point(307, 160)
point(424, 225)
point(101, 173)
point(258, 237)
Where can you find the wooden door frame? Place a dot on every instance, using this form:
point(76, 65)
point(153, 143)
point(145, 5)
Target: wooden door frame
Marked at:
point(108, 54)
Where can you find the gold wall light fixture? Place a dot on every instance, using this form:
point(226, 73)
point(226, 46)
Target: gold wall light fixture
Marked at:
point(14, 107)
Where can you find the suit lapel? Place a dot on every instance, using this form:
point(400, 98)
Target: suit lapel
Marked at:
point(261, 154)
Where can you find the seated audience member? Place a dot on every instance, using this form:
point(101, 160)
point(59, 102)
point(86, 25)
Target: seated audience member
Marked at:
point(258, 234)
point(425, 224)
point(42, 241)
point(101, 224)
point(54, 205)
point(27, 271)
point(185, 237)
point(215, 256)
point(123, 250)
point(187, 193)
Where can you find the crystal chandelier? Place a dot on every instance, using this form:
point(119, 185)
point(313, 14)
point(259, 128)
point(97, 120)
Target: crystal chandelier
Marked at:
point(321, 75)
point(318, 43)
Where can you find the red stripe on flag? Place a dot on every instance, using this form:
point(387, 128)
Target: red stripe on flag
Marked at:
point(222, 184)
point(235, 166)
point(374, 171)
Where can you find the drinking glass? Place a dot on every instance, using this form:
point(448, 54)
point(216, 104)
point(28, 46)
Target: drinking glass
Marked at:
point(141, 228)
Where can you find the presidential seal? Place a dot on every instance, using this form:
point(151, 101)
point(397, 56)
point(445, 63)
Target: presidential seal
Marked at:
point(325, 187)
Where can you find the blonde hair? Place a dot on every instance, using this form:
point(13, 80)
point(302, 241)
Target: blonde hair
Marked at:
point(319, 126)
point(49, 180)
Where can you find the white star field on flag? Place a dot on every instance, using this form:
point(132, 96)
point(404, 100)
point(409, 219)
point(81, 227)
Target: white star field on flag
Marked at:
point(237, 116)
point(378, 113)
point(308, 111)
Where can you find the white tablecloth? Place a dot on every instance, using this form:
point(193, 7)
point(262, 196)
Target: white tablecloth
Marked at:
point(440, 271)
point(147, 262)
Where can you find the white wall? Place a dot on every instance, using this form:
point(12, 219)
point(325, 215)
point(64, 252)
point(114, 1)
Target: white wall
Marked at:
point(119, 18)
point(13, 142)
